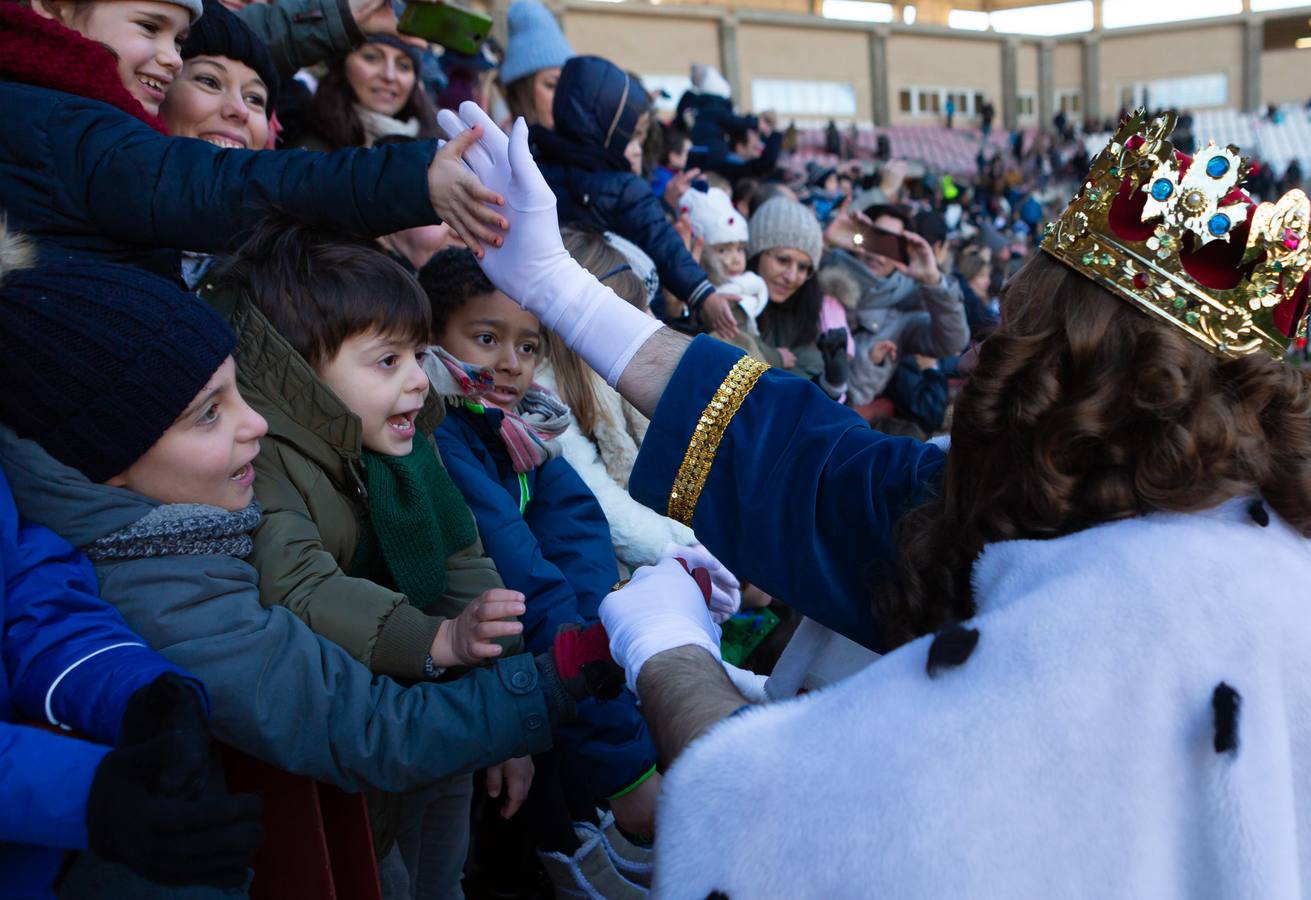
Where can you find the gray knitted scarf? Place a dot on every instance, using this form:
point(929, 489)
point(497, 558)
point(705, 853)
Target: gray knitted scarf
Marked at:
point(180, 529)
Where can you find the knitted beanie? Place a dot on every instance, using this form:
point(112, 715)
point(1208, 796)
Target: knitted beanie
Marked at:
point(782, 222)
point(714, 218)
point(192, 6)
point(535, 42)
point(98, 360)
point(414, 52)
point(221, 33)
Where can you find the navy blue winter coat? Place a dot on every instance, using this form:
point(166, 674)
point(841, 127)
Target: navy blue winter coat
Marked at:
point(68, 659)
point(83, 177)
point(597, 106)
point(558, 553)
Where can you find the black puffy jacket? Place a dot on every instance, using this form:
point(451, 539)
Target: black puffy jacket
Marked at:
point(597, 107)
point(82, 177)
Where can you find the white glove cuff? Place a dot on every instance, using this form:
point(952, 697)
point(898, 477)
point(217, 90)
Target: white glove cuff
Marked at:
point(596, 323)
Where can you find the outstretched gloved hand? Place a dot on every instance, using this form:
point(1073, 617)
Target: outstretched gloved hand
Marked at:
point(532, 266)
point(663, 607)
point(725, 592)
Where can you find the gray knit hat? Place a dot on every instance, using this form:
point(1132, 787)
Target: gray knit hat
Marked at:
point(782, 222)
point(194, 7)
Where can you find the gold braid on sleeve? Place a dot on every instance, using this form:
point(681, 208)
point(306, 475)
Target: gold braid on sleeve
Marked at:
point(701, 450)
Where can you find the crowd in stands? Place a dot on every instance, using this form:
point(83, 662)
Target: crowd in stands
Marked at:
point(280, 465)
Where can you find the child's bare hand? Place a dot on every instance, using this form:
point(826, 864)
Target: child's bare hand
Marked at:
point(789, 358)
point(883, 350)
point(461, 199)
point(515, 776)
point(468, 639)
point(718, 314)
point(635, 811)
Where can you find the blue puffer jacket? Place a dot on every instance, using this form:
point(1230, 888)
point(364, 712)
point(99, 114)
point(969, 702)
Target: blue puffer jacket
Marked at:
point(558, 553)
point(68, 660)
point(83, 177)
point(597, 107)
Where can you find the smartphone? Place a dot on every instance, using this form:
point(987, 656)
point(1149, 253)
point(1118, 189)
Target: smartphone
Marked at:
point(455, 27)
point(873, 239)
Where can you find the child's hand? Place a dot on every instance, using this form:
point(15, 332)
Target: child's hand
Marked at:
point(516, 776)
point(467, 639)
point(679, 185)
point(529, 264)
point(461, 199)
point(635, 811)
point(883, 350)
point(789, 358)
point(717, 311)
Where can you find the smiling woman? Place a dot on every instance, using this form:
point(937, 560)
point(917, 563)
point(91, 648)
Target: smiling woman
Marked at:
point(374, 92)
point(226, 91)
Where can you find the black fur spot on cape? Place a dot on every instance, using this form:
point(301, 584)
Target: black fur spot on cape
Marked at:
point(1256, 509)
point(950, 648)
point(716, 895)
point(1226, 703)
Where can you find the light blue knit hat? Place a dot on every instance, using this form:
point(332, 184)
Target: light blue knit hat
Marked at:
point(535, 43)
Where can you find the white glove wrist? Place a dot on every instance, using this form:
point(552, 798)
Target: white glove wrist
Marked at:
point(660, 609)
point(532, 266)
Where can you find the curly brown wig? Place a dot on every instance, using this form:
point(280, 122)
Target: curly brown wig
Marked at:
point(1086, 410)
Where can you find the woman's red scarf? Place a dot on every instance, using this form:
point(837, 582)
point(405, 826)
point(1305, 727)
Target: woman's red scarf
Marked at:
point(41, 52)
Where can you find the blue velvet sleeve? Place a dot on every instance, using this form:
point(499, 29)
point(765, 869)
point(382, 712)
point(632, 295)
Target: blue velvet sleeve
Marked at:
point(802, 497)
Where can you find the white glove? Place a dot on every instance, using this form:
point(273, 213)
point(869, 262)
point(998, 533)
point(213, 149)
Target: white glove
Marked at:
point(532, 265)
point(660, 609)
point(726, 592)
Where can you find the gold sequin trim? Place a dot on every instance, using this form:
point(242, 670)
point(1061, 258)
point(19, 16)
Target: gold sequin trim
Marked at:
point(701, 450)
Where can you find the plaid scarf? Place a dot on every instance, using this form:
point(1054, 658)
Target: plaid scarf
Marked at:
point(529, 432)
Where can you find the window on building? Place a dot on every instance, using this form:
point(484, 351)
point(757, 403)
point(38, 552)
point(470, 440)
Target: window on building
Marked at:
point(906, 101)
point(1026, 105)
point(856, 11)
point(1128, 13)
point(1053, 18)
point(930, 101)
point(1182, 93)
point(967, 20)
point(1070, 102)
point(808, 98)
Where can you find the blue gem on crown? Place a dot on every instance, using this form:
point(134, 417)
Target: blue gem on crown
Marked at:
point(1219, 224)
point(1217, 168)
point(1162, 189)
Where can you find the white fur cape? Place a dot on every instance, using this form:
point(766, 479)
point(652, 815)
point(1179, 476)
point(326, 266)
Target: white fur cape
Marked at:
point(1072, 754)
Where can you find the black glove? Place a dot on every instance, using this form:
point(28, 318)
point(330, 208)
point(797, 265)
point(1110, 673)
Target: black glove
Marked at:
point(171, 705)
point(578, 667)
point(170, 840)
point(832, 345)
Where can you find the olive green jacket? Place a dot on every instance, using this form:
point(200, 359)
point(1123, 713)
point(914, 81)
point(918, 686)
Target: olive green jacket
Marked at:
point(309, 481)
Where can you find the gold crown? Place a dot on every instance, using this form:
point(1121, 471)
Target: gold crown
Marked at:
point(1191, 226)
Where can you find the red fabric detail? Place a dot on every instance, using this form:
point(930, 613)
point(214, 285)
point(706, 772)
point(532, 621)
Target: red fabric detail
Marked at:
point(317, 840)
point(41, 52)
point(576, 647)
point(1292, 310)
point(700, 576)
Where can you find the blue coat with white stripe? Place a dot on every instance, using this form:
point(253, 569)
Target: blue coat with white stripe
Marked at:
point(70, 660)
